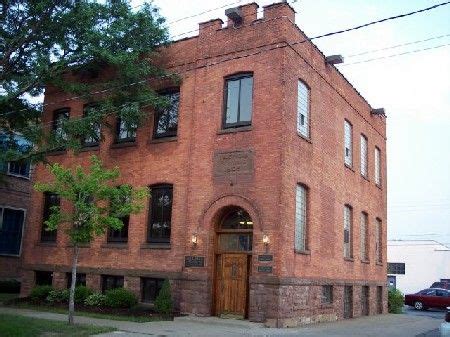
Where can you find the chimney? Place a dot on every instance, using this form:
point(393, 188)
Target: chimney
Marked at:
point(279, 9)
point(241, 15)
point(210, 26)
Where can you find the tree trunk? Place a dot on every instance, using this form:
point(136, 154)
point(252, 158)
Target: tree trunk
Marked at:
point(76, 250)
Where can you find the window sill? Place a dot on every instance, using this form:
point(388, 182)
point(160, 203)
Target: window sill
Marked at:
point(156, 245)
point(118, 145)
point(115, 245)
point(163, 140)
point(90, 148)
point(349, 259)
point(365, 178)
point(306, 139)
point(235, 130)
point(17, 176)
point(379, 186)
point(365, 261)
point(46, 244)
point(9, 255)
point(349, 167)
point(80, 245)
point(302, 252)
point(379, 263)
point(326, 306)
point(56, 152)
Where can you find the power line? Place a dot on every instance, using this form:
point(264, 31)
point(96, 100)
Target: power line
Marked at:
point(395, 55)
point(396, 46)
point(276, 44)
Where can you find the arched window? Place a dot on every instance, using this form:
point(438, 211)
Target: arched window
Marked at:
point(235, 231)
point(236, 218)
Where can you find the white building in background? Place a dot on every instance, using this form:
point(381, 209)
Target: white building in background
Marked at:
point(414, 265)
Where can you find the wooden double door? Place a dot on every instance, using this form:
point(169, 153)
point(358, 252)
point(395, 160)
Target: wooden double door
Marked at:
point(231, 293)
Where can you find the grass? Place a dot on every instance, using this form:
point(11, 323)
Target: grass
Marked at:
point(19, 326)
point(130, 318)
point(5, 297)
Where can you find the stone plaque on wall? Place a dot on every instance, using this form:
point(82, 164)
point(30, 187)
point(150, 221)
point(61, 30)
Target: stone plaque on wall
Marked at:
point(233, 165)
point(264, 269)
point(265, 258)
point(194, 261)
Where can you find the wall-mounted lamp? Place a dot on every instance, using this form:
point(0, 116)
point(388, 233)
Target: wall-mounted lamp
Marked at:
point(194, 239)
point(266, 240)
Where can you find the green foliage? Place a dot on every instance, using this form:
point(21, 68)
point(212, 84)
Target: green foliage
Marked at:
point(98, 204)
point(95, 300)
point(163, 302)
point(72, 46)
point(81, 293)
point(120, 298)
point(58, 296)
point(395, 301)
point(10, 286)
point(40, 293)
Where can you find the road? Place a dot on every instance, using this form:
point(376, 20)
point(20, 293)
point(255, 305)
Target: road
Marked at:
point(432, 313)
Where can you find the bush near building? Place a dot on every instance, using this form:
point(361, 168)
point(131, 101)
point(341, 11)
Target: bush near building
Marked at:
point(395, 301)
point(163, 302)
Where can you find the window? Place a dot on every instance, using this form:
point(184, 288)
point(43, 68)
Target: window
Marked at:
point(43, 278)
point(301, 199)
point(235, 231)
point(364, 155)
point(377, 166)
point(81, 280)
point(303, 109)
point(348, 148)
point(380, 299)
point(238, 101)
point(428, 292)
point(150, 288)
point(111, 282)
point(124, 132)
point(379, 243)
point(327, 294)
point(365, 300)
point(50, 200)
point(348, 232)
point(166, 119)
point(11, 225)
point(60, 117)
point(160, 213)
point(442, 293)
point(94, 138)
point(396, 268)
point(119, 235)
point(364, 237)
point(19, 168)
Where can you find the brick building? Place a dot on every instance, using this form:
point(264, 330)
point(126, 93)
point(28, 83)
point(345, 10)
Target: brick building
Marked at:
point(267, 178)
point(15, 186)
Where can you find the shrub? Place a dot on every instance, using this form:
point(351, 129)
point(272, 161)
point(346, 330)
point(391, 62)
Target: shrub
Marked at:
point(95, 300)
point(81, 293)
point(395, 301)
point(163, 302)
point(40, 293)
point(58, 296)
point(120, 298)
point(10, 286)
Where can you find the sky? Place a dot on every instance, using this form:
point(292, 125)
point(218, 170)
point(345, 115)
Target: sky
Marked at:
point(414, 89)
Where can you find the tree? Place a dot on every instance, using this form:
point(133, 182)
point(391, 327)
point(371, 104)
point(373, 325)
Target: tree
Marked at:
point(96, 205)
point(99, 51)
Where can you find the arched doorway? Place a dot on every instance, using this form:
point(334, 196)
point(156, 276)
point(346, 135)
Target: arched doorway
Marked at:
point(233, 262)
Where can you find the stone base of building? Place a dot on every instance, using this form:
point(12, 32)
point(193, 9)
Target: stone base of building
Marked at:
point(277, 302)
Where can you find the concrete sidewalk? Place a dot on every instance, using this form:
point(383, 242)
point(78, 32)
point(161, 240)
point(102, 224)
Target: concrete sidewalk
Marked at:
point(372, 326)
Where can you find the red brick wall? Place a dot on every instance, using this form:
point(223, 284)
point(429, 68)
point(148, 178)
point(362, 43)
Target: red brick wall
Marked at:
point(281, 159)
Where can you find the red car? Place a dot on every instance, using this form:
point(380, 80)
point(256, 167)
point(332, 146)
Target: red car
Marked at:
point(429, 298)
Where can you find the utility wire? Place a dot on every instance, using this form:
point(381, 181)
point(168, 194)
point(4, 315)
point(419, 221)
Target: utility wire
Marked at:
point(396, 46)
point(277, 44)
point(395, 55)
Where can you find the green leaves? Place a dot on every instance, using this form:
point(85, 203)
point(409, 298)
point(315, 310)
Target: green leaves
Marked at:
point(94, 202)
point(79, 48)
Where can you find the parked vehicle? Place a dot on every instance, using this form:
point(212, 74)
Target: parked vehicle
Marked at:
point(429, 298)
point(441, 284)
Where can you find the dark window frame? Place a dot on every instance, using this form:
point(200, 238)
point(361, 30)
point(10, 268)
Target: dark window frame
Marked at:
point(10, 234)
point(327, 294)
point(128, 139)
point(24, 169)
point(48, 236)
point(151, 238)
point(117, 280)
point(56, 115)
point(239, 123)
point(96, 143)
point(41, 275)
point(160, 112)
point(150, 298)
point(81, 279)
point(396, 268)
point(119, 235)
